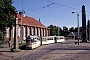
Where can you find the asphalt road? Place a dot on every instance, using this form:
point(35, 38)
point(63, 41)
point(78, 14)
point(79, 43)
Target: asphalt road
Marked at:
point(60, 51)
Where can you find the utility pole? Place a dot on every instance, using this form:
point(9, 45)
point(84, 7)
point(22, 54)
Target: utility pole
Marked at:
point(88, 30)
point(84, 31)
point(58, 31)
point(16, 36)
point(77, 25)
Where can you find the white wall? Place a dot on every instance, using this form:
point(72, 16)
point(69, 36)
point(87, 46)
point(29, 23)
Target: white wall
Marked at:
point(13, 31)
point(19, 29)
point(28, 31)
point(24, 36)
point(8, 32)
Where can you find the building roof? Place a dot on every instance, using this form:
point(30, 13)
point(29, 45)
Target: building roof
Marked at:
point(74, 34)
point(71, 34)
point(29, 21)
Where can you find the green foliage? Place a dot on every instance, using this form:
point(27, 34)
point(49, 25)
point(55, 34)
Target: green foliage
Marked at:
point(7, 13)
point(1, 36)
point(55, 30)
point(65, 31)
point(22, 44)
point(72, 29)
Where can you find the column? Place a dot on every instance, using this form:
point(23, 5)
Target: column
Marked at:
point(30, 30)
point(38, 31)
point(48, 32)
point(26, 30)
point(22, 33)
point(45, 32)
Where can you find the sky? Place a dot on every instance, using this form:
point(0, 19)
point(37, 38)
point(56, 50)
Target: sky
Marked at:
point(55, 12)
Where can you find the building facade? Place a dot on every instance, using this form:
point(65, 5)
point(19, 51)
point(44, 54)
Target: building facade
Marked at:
point(27, 26)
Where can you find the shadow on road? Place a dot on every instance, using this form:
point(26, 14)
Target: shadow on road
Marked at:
point(71, 48)
point(5, 51)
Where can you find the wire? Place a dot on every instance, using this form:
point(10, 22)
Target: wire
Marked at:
point(46, 6)
point(53, 3)
point(41, 7)
point(63, 5)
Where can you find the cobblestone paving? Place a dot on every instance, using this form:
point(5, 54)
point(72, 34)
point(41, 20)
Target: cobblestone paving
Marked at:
point(59, 51)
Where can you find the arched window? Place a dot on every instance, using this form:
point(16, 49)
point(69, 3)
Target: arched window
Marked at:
point(19, 29)
point(39, 31)
point(36, 31)
point(28, 31)
point(8, 32)
point(44, 32)
point(13, 31)
point(24, 33)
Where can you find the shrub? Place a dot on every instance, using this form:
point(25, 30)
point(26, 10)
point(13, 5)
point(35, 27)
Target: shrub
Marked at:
point(1, 37)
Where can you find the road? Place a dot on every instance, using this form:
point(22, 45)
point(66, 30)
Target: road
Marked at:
point(60, 51)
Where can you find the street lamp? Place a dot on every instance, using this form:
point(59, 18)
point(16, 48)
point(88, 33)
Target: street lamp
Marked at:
point(78, 24)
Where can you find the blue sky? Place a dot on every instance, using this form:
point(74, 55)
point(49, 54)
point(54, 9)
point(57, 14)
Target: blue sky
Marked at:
point(58, 14)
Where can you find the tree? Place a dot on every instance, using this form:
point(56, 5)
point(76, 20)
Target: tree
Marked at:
point(72, 29)
point(80, 29)
point(65, 31)
point(61, 31)
point(51, 29)
point(76, 29)
point(7, 15)
point(55, 30)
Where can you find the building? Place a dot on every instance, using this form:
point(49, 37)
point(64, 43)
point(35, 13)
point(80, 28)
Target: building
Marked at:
point(74, 35)
point(27, 26)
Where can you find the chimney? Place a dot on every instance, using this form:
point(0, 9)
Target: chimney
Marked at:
point(39, 21)
point(22, 13)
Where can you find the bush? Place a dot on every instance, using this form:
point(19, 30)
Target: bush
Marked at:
point(1, 37)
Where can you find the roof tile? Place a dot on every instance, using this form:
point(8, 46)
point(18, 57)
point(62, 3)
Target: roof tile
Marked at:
point(30, 21)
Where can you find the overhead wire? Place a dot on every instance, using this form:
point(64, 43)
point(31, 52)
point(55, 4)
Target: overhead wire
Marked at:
point(65, 5)
point(42, 7)
point(53, 3)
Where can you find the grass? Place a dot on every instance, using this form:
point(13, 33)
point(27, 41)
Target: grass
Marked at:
point(22, 44)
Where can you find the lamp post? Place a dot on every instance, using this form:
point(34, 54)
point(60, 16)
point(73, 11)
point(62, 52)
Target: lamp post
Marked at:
point(15, 36)
point(77, 24)
point(58, 31)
